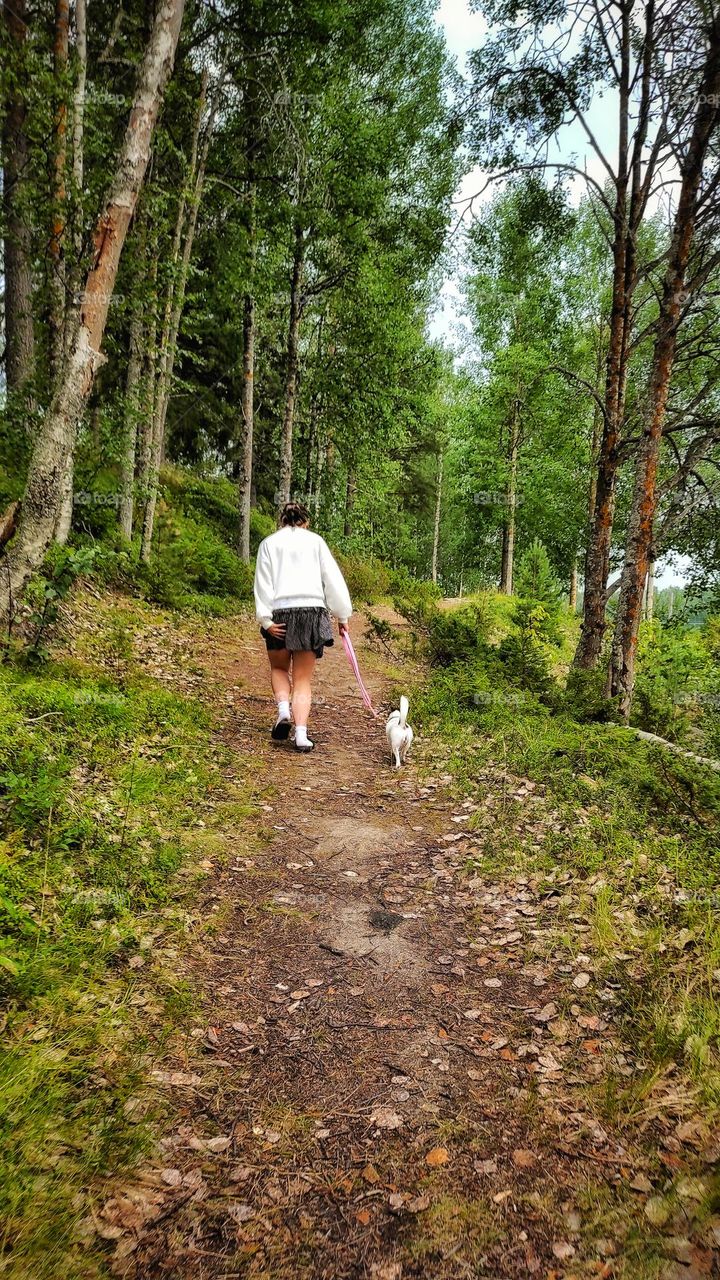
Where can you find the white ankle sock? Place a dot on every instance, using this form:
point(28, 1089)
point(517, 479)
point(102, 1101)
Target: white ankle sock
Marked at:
point(283, 709)
point(301, 735)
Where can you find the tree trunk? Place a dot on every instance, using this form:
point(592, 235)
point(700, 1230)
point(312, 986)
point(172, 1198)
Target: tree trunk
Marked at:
point(291, 371)
point(572, 595)
point(147, 390)
point(57, 435)
point(650, 592)
point(70, 282)
point(316, 444)
point(248, 394)
point(322, 456)
point(350, 491)
point(173, 315)
point(596, 432)
point(18, 302)
point(436, 524)
point(133, 389)
point(56, 252)
point(63, 524)
point(644, 501)
point(508, 543)
point(78, 147)
point(248, 415)
point(313, 450)
point(597, 560)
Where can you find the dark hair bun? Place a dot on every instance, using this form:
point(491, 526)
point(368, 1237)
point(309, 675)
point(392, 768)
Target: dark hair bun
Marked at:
point(294, 513)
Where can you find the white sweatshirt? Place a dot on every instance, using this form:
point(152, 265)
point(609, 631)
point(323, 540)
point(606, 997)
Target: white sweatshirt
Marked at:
point(296, 569)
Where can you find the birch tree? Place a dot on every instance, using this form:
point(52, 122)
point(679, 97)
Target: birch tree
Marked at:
point(17, 245)
point(57, 433)
point(529, 86)
point(692, 196)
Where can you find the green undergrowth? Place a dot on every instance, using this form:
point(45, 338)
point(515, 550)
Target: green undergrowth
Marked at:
point(106, 785)
point(628, 832)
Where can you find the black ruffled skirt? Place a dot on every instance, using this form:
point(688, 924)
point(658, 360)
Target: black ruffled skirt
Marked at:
point(307, 629)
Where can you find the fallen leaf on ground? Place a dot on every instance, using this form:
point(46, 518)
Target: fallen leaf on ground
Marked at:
point(177, 1078)
point(437, 1156)
point(562, 1249)
point(240, 1212)
point(547, 1012)
point(548, 1062)
point(524, 1159)
point(385, 1118)
point(641, 1183)
point(657, 1211)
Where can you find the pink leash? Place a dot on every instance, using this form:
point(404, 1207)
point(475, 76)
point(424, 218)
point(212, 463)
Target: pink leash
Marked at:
point(348, 647)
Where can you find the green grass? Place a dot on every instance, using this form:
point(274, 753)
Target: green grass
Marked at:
point(103, 774)
point(453, 1218)
point(635, 829)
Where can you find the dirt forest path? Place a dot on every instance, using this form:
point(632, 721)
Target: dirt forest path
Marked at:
point(376, 1092)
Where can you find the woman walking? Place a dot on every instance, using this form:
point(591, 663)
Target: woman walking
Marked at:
point(297, 581)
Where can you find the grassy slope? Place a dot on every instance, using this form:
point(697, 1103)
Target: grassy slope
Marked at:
point(106, 779)
point(631, 833)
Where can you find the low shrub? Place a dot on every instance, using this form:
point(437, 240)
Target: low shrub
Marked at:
point(525, 653)
point(262, 524)
point(447, 636)
point(676, 673)
point(190, 559)
point(584, 697)
point(368, 580)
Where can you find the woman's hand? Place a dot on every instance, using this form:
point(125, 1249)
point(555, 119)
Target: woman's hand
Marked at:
point(277, 629)
point(342, 627)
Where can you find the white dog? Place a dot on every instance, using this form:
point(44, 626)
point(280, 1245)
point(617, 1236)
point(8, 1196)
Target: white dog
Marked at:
point(398, 732)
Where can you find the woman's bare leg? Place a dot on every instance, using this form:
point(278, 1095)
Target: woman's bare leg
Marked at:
point(280, 674)
point(303, 666)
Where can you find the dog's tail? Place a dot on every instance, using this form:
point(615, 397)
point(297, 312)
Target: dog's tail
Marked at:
point(404, 708)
